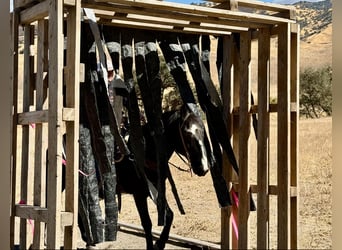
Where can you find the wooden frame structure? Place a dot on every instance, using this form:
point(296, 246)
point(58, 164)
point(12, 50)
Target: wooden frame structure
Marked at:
point(41, 103)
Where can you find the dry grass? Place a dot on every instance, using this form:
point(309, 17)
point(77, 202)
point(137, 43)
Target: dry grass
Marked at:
point(202, 219)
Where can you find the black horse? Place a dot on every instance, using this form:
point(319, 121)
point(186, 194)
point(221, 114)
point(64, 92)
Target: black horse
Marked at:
point(185, 134)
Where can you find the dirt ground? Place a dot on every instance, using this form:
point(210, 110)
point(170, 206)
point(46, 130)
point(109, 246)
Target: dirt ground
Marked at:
point(202, 218)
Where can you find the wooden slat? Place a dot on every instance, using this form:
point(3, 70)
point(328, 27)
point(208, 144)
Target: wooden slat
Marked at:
point(235, 123)
point(200, 10)
point(172, 237)
point(271, 189)
point(14, 150)
point(244, 133)
point(272, 108)
point(33, 117)
point(141, 19)
point(286, 11)
point(56, 50)
point(40, 130)
point(283, 134)
point(36, 213)
point(227, 87)
point(42, 116)
point(68, 114)
point(28, 41)
point(263, 138)
point(40, 214)
point(198, 18)
point(72, 126)
point(294, 92)
point(36, 12)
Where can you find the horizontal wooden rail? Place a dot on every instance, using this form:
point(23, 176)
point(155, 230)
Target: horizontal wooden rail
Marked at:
point(27, 118)
point(286, 10)
point(31, 212)
point(272, 109)
point(42, 116)
point(40, 214)
point(200, 10)
point(172, 237)
point(272, 189)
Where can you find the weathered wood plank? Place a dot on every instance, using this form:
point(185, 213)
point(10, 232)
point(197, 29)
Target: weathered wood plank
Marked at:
point(72, 126)
point(200, 10)
point(33, 117)
point(40, 129)
point(286, 11)
point(263, 138)
point(36, 213)
point(294, 92)
point(235, 124)
point(141, 19)
point(14, 150)
point(172, 237)
point(124, 10)
point(55, 123)
point(34, 13)
point(283, 134)
point(227, 87)
point(244, 133)
point(28, 41)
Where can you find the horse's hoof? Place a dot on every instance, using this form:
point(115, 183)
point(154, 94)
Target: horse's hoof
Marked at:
point(157, 246)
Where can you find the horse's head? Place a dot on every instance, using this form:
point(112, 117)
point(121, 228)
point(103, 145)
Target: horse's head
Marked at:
point(194, 139)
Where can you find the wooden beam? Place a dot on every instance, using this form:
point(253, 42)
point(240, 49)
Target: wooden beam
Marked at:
point(32, 117)
point(36, 213)
point(141, 19)
point(55, 133)
point(28, 69)
point(227, 92)
point(172, 237)
point(200, 10)
point(285, 10)
point(244, 133)
point(283, 134)
point(36, 12)
point(72, 125)
point(263, 138)
point(14, 151)
point(39, 182)
point(294, 129)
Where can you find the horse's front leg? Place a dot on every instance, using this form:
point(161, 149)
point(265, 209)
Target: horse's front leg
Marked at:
point(141, 204)
point(164, 236)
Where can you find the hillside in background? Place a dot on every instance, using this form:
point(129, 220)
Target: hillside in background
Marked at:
point(315, 21)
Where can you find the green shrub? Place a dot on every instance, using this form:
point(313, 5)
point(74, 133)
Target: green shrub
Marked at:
point(315, 95)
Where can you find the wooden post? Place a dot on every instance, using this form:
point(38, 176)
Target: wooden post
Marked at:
point(28, 68)
point(283, 135)
point(295, 41)
point(244, 127)
point(263, 138)
point(56, 43)
point(72, 127)
point(236, 130)
point(226, 91)
point(14, 153)
point(40, 132)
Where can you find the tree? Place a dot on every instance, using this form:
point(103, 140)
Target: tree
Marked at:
point(315, 92)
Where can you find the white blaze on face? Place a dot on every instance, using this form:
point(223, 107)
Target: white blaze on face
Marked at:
point(204, 159)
